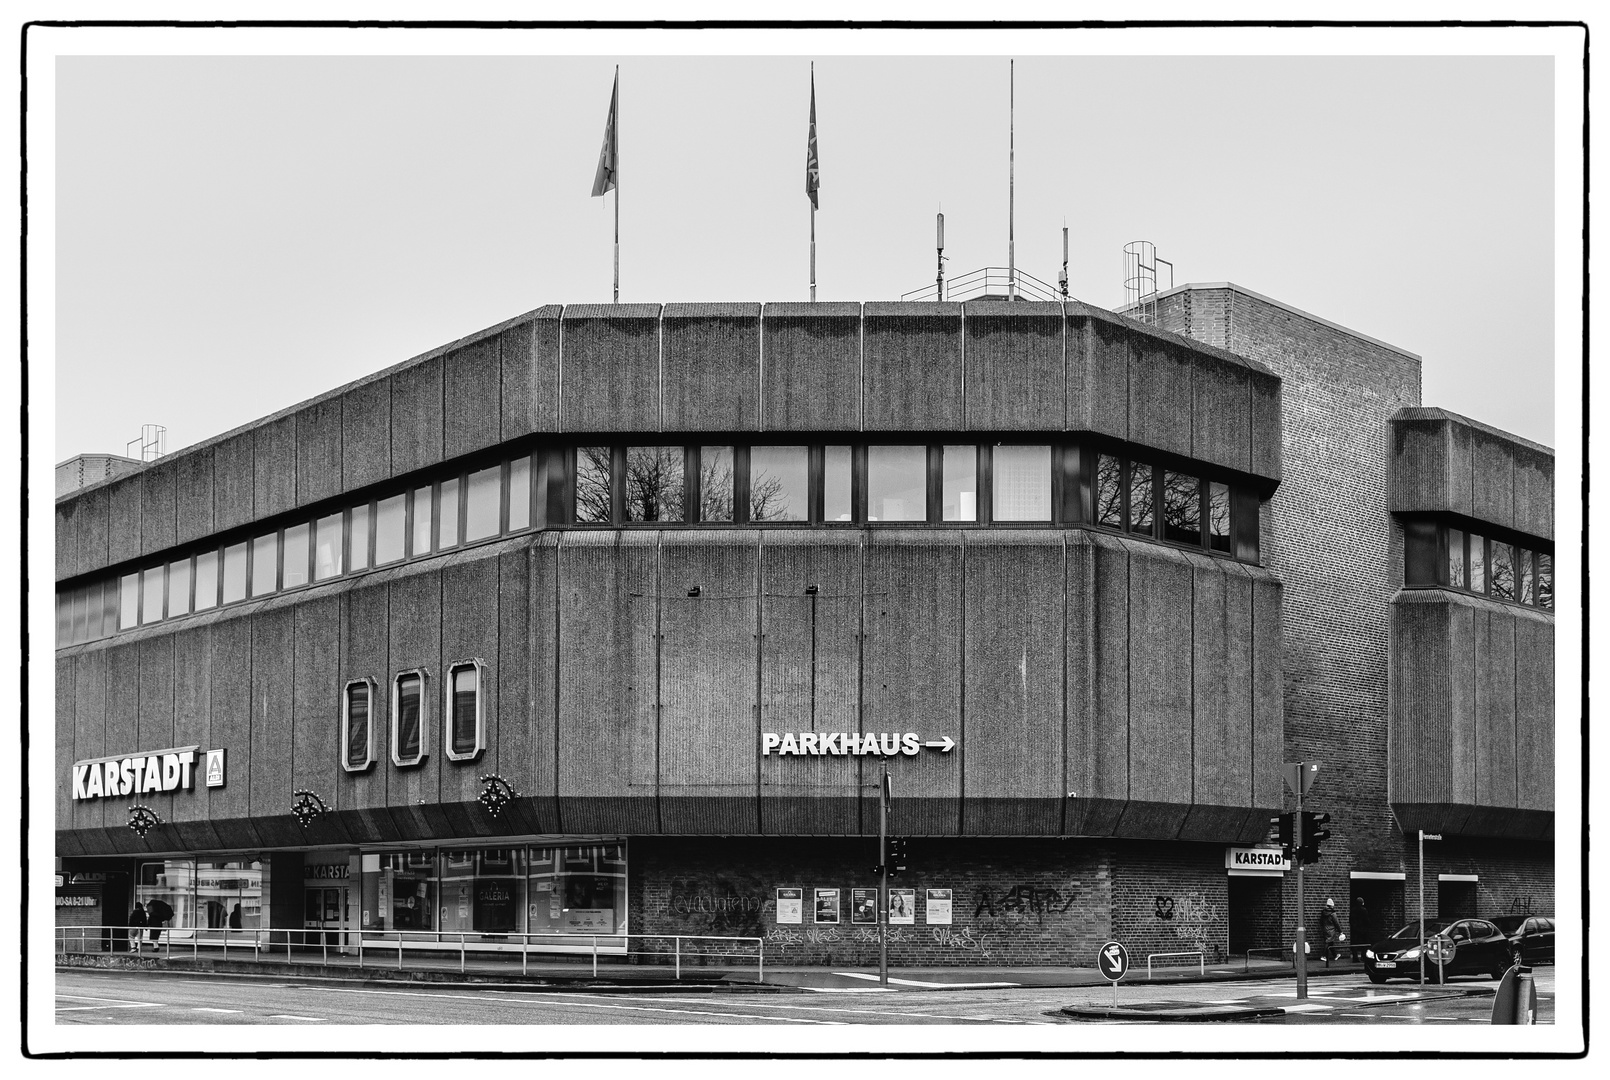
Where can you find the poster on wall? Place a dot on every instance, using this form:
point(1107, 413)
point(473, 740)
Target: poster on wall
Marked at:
point(864, 906)
point(790, 905)
point(937, 911)
point(902, 906)
point(827, 905)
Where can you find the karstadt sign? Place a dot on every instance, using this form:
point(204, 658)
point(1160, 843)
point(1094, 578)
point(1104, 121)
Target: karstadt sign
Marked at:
point(144, 773)
point(842, 743)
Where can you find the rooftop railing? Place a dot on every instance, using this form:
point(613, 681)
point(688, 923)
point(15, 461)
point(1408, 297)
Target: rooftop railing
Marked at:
point(989, 283)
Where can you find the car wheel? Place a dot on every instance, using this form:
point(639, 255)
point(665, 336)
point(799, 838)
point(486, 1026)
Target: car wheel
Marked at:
point(1376, 977)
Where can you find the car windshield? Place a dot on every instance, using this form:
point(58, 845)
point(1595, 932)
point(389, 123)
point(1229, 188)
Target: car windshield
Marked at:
point(1412, 931)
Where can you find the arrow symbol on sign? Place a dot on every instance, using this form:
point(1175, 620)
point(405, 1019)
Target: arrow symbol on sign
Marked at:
point(944, 744)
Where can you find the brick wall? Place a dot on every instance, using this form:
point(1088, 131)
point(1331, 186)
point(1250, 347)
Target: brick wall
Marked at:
point(1171, 898)
point(1014, 902)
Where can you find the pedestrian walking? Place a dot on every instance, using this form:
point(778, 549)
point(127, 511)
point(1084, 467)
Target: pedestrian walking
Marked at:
point(1331, 928)
point(137, 924)
point(157, 915)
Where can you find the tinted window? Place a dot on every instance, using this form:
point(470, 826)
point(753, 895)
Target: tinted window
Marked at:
point(1456, 559)
point(779, 488)
point(1140, 497)
point(1219, 516)
point(466, 685)
point(1420, 555)
point(519, 493)
point(715, 483)
point(1523, 577)
point(389, 530)
point(1478, 564)
point(1021, 481)
point(592, 485)
point(358, 725)
point(960, 483)
point(1110, 492)
point(837, 490)
point(1502, 571)
point(1182, 508)
point(358, 538)
point(409, 721)
point(483, 493)
point(206, 580)
point(327, 547)
point(234, 573)
point(151, 586)
point(265, 564)
point(422, 520)
point(447, 514)
point(179, 588)
point(897, 483)
point(295, 572)
point(1545, 580)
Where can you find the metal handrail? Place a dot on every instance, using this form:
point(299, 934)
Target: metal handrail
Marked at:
point(1201, 963)
point(220, 937)
point(981, 281)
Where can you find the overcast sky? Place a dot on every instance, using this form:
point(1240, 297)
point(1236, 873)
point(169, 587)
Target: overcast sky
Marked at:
point(237, 234)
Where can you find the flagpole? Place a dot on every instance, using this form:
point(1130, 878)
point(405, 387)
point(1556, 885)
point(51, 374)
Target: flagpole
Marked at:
point(617, 177)
point(1011, 180)
point(813, 253)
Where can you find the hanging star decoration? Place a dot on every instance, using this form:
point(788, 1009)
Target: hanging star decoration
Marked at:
point(142, 819)
point(496, 793)
point(308, 807)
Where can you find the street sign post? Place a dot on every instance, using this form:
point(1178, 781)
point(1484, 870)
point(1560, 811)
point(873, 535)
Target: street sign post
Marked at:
point(1300, 777)
point(1424, 836)
point(1441, 950)
point(1112, 960)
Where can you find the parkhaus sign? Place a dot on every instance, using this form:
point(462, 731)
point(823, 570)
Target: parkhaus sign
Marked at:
point(145, 773)
point(842, 743)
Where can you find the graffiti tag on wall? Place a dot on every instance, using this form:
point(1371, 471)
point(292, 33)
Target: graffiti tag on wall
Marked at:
point(1195, 919)
point(1025, 900)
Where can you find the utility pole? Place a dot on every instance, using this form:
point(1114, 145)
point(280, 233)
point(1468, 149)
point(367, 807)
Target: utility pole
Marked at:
point(883, 874)
point(1302, 943)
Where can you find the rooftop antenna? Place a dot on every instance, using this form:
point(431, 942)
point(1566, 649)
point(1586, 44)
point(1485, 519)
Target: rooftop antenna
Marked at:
point(1063, 279)
point(1011, 180)
point(939, 280)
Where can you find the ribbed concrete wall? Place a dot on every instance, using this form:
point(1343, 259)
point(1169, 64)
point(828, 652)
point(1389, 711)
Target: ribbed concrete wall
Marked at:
point(643, 369)
point(1442, 462)
point(1471, 725)
point(1094, 686)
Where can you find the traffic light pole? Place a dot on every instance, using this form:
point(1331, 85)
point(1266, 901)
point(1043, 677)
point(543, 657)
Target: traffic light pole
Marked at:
point(883, 873)
point(1297, 857)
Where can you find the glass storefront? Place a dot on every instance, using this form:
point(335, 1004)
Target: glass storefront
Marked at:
point(205, 894)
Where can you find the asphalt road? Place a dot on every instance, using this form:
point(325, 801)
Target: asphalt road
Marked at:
point(142, 997)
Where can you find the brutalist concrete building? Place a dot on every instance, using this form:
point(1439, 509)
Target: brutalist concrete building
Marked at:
point(608, 620)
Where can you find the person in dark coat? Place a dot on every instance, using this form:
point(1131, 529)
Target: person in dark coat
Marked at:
point(157, 914)
point(1331, 928)
point(1361, 927)
point(137, 924)
point(234, 918)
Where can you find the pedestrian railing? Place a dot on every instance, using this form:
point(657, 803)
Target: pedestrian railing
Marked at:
point(370, 947)
point(1280, 954)
point(1201, 961)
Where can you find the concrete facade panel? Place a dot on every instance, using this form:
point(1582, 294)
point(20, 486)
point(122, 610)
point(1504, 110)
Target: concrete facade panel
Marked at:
point(271, 720)
point(66, 683)
point(366, 654)
point(315, 756)
point(811, 377)
point(366, 433)
point(154, 727)
point(911, 372)
point(67, 538)
point(232, 699)
point(194, 495)
point(274, 466)
point(1015, 359)
point(1013, 768)
point(94, 514)
point(609, 585)
point(1160, 394)
point(1268, 685)
point(1103, 368)
point(319, 438)
point(1268, 418)
point(912, 669)
point(1221, 412)
point(1080, 815)
point(472, 379)
point(1494, 735)
point(810, 653)
point(531, 761)
point(1222, 747)
point(1109, 747)
point(124, 517)
point(1534, 492)
point(234, 481)
point(416, 416)
point(709, 731)
point(1534, 715)
point(416, 644)
point(192, 713)
point(469, 633)
point(711, 367)
point(610, 368)
point(1160, 676)
point(1419, 475)
point(1493, 479)
point(158, 506)
point(89, 728)
point(529, 353)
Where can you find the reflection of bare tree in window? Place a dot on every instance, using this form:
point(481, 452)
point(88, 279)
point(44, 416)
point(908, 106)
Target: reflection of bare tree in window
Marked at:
point(715, 484)
point(777, 483)
point(592, 484)
point(1140, 497)
point(1503, 572)
point(1545, 580)
point(1182, 508)
point(767, 499)
point(1109, 492)
point(1219, 516)
point(654, 483)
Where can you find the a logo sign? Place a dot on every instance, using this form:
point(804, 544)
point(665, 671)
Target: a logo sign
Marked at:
point(327, 872)
point(137, 774)
point(842, 743)
point(215, 768)
point(1113, 961)
point(1271, 859)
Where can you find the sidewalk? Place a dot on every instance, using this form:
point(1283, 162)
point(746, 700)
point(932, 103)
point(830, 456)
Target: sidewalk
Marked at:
point(1254, 1006)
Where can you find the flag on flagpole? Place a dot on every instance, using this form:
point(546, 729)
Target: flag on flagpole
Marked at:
point(813, 170)
point(609, 155)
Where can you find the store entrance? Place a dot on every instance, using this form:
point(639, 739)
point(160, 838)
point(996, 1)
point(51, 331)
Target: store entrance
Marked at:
point(324, 909)
point(1456, 899)
point(1254, 912)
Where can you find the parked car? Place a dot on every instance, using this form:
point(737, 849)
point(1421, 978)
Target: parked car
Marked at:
point(1480, 948)
point(1531, 938)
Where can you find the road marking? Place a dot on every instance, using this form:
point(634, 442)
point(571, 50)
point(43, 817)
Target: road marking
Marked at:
point(204, 1008)
point(931, 985)
point(290, 1016)
point(104, 1003)
point(1311, 1007)
point(851, 989)
point(561, 998)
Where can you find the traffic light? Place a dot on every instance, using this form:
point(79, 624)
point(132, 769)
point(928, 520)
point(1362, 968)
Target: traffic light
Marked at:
point(1314, 834)
point(1285, 822)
